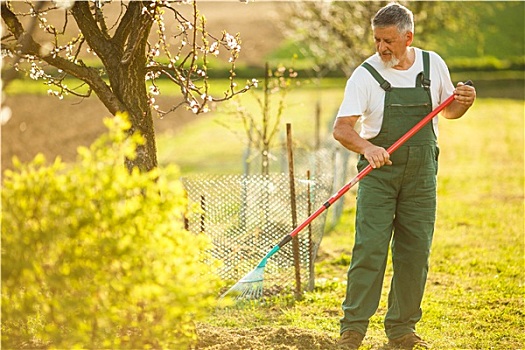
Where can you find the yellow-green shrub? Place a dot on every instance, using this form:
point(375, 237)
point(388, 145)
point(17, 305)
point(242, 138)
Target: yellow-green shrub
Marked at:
point(94, 256)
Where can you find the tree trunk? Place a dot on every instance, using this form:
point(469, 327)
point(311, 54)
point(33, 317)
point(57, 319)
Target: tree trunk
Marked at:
point(133, 96)
point(124, 57)
point(127, 81)
point(127, 78)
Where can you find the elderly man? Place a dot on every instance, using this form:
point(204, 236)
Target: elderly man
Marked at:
point(396, 203)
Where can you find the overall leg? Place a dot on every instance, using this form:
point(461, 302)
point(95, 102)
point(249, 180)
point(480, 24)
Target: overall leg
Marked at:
point(413, 232)
point(374, 223)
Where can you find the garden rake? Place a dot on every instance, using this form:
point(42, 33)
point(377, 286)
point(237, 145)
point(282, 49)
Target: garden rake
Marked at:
point(251, 285)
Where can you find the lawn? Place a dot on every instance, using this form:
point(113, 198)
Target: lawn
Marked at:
point(475, 292)
point(222, 139)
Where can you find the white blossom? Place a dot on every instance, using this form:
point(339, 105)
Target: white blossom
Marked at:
point(55, 93)
point(154, 90)
point(194, 106)
point(214, 49)
point(231, 42)
point(36, 72)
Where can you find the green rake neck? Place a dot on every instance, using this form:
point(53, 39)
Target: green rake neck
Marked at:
point(274, 250)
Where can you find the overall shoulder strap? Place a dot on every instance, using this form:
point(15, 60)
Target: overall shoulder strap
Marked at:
point(425, 80)
point(385, 85)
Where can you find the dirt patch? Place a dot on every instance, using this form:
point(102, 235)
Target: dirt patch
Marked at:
point(43, 124)
point(259, 23)
point(262, 338)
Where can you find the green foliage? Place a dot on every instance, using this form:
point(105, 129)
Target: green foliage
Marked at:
point(475, 32)
point(499, 32)
point(485, 63)
point(94, 256)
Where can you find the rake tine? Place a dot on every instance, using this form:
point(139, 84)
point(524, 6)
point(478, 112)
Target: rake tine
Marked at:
point(251, 285)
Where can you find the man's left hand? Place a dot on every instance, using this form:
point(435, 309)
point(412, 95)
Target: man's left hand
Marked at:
point(465, 94)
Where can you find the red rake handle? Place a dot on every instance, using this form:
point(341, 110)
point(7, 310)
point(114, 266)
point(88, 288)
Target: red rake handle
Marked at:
point(369, 168)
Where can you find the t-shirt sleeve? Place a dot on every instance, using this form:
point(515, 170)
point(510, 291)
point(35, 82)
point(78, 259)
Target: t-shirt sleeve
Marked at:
point(354, 100)
point(445, 82)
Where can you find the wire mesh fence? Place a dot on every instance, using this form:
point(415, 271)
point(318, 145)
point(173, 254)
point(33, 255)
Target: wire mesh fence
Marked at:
point(246, 215)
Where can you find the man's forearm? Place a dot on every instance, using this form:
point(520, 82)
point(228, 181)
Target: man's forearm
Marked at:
point(346, 135)
point(455, 110)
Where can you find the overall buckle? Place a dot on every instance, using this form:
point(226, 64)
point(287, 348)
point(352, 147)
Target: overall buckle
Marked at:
point(386, 86)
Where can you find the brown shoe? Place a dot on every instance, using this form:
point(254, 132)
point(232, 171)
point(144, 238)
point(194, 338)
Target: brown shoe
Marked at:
point(408, 341)
point(350, 340)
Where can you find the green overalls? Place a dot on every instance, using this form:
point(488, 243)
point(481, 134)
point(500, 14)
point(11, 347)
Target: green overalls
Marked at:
point(395, 204)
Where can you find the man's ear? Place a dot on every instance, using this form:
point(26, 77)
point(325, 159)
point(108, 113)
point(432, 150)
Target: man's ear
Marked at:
point(409, 38)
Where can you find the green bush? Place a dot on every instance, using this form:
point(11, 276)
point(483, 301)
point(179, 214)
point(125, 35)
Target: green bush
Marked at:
point(94, 256)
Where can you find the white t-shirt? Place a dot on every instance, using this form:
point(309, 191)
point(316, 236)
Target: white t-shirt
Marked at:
point(365, 98)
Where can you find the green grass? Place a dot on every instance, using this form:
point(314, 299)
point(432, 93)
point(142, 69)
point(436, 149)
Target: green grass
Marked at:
point(221, 137)
point(475, 293)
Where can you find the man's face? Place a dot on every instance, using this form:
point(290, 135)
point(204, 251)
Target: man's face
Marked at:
point(391, 46)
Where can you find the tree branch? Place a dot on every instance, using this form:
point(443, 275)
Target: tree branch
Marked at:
point(124, 28)
point(94, 36)
point(27, 46)
point(135, 30)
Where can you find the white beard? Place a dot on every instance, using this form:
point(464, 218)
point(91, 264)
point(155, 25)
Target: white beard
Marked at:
point(394, 61)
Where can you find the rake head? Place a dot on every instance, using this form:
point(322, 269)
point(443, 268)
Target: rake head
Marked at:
point(249, 287)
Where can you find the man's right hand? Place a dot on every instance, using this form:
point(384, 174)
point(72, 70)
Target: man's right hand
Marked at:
point(377, 156)
point(344, 133)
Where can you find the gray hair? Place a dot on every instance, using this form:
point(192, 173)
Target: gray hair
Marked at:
point(394, 14)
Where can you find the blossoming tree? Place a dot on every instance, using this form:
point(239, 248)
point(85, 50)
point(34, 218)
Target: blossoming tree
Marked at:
point(119, 56)
point(337, 34)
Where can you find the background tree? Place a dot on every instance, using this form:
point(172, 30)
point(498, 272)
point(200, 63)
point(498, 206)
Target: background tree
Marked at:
point(118, 50)
point(338, 35)
point(261, 127)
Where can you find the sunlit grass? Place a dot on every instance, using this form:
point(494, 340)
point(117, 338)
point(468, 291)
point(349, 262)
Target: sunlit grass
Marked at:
point(475, 291)
point(215, 142)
